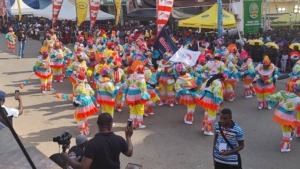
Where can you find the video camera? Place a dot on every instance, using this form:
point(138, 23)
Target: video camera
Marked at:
point(64, 139)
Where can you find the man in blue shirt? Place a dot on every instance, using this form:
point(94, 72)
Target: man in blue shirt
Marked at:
point(224, 156)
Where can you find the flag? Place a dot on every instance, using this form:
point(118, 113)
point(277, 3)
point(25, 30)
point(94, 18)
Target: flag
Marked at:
point(2, 7)
point(130, 6)
point(186, 56)
point(19, 10)
point(81, 8)
point(163, 43)
point(56, 5)
point(94, 9)
point(118, 5)
point(8, 9)
point(163, 13)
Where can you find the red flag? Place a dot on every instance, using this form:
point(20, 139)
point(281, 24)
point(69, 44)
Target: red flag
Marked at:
point(2, 7)
point(163, 12)
point(56, 5)
point(94, 9)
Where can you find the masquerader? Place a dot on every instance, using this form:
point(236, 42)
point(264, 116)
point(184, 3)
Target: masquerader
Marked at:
point(11, 40)
point(57, 56)
point(48, 44)
point(248, 73)
point(90, 51)
point(76, 67)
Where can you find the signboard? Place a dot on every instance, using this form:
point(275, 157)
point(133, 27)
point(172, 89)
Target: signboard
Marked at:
point(111, 2)
point(252, 16)
point(164, 43)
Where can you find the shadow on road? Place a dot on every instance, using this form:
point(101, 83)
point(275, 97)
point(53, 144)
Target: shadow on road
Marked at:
point(14, 73)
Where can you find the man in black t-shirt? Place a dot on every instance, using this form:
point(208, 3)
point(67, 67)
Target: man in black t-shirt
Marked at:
point(103, 151)
point(22, 40)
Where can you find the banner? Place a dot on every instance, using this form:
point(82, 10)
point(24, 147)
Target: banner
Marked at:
point(94, 9)
point(163, 12)
point(8, 9)
point(252, 16)
point(2, 7)
point(186, 56)
point(130, 6)
point(118, 5)
point(56, 5)
point(19, 10)
point(81, 8)
point(164, 43)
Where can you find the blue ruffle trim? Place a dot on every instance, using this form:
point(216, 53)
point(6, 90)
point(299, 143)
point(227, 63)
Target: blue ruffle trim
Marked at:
point(145, 96)
point(217, 100)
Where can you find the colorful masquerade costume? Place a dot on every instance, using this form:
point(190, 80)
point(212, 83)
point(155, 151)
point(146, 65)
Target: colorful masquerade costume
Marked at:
point(248, 72)
point(106, 92)
point(57, 57)
point(199, 75)
point(151, 81)
point(287, 103)
point(74, 69)
point(83, 100)
point(79, 42)
point(186, 89)
point(68, 58)
point(166, 79)
point(213, 67)
point(210, 99)
point(47, 45)
point(10, 40)
point(42, 70)
point(295, 76)
point(91, 53)
point(265, 86)
point(135, 89)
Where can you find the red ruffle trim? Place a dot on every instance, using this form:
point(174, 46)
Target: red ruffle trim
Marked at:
point(163, 83)
point(187, 102)
point(298, 108)
point(261, 91)
point(86, 114)
point(72, 80)
point(152, 95)
point(232, 82)
point(57, 67)
point(42, 76)
point(136, 102)
point(283, 122)
point(106, 102)
point(207, 105)
point(248, 80)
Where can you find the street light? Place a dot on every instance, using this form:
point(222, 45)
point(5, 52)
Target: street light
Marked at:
point(281, 9)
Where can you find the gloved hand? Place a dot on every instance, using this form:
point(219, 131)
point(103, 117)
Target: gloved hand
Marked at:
point(75, 73)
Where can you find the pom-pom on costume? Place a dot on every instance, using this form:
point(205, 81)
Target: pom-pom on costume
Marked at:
point(83, 101)
point(166, 79)
point(42, 70)
point(10, 38)
point(135, 89)
point(186, 89)
point(76, 67)
point(266, 73)
point(248, 72)
point(106, 92)
point(57, 56)
point(210, 99)
point(287, 102)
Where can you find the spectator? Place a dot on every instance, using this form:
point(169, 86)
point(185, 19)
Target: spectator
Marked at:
point(257, 53)
point(22, 41)
point(103, 151)
point(76, 152)
point(11, 112)
point(224, 156)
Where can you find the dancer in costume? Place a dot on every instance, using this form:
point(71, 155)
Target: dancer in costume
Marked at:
point(135, 89)
point(101, 38)
point(200, 77)
point(97, 70)
point(53, 35)
point(79, 43)
point(186, 89)
point(76, 67)
point(90, 51)
point(211, 99)
point(83, 101)
point(48, 44)
point(151, 81)
point(234, 75)
point(109, 49)
point(214, 66)
point(68, 59)
point(220, 48)
point(266, 73)
point(166, 79)
point(100, 50)
point(248, 73)
point(42, 70)
point(107, 92)
point(117, 76)
point(11, 40)
point(57, 56)
point(118, 48)
point(287, 102)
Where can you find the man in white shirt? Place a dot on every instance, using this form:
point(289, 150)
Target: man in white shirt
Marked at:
point(11, 111)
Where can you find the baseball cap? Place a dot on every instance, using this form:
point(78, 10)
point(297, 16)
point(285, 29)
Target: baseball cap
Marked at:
point(2, 95)
point(80, 139)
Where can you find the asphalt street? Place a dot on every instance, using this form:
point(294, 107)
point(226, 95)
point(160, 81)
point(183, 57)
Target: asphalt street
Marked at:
point(166, 142)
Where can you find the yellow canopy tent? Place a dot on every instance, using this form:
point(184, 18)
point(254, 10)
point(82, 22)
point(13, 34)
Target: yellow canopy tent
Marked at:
point(209, 19)
point(285, 20)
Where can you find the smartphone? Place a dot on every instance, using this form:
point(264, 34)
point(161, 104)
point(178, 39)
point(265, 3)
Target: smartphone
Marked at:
point(17, 94)
point(129, 123)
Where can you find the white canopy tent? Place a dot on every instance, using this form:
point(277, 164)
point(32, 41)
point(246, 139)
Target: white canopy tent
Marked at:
point(68, 11)
point(25, 9)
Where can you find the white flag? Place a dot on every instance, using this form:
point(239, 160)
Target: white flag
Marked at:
point(186, 56)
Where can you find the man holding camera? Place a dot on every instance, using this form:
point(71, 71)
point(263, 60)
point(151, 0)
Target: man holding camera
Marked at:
point(11, 112)
point(103, 151)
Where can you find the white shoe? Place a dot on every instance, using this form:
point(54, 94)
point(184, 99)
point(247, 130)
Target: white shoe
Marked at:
point(202, 128)
point(114, 124)
point(54, 80)
point(208, 133)
point(20, 57)
point(51, 89)
point(171, 104)
point(176, 102)
point(291, 139)
point(260, 107)
point(61, 81)
point(141, 126)
point(247, 97)
point(269, 107)
point(161, 104)
point(151, 114)
point(44, 92)
point(145, 115)
point(119, 110)
point(283, 150)
point(231, 99)
point(188, 122)
point(98, 105)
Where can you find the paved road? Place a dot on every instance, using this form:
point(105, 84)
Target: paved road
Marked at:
point(166, 142)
